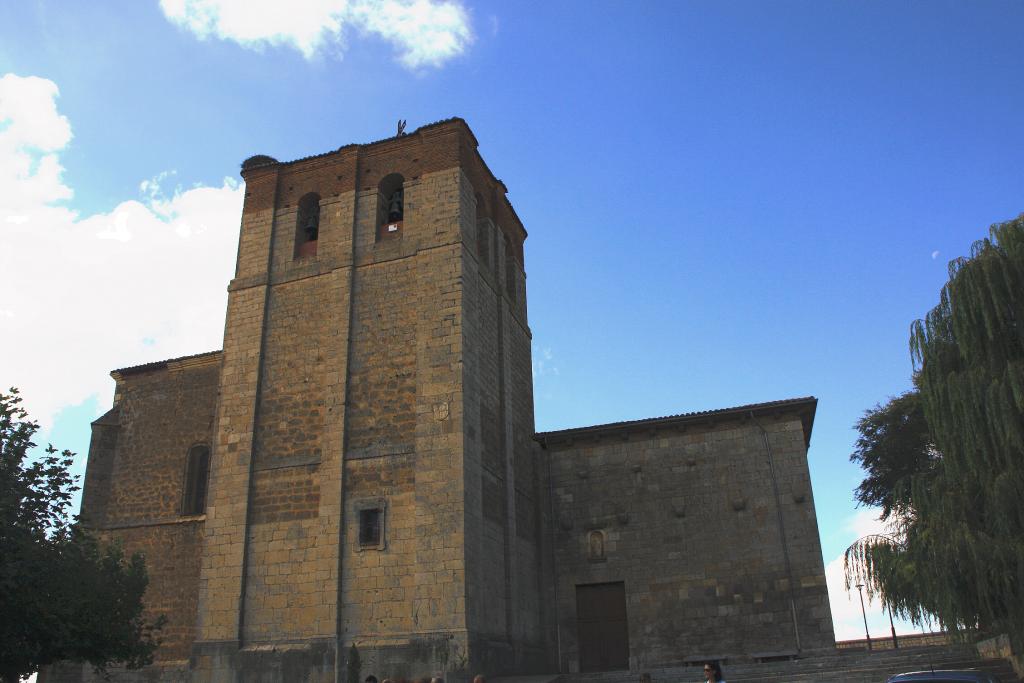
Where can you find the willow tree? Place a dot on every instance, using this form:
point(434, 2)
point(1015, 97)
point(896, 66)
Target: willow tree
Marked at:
point(957, 551)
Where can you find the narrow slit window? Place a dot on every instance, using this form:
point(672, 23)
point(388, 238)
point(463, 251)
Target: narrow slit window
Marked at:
point(483, 246)
point(510, 270)
point(197, 470)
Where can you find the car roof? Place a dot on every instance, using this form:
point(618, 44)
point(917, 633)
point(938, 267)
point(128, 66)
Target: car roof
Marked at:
point(957, 676)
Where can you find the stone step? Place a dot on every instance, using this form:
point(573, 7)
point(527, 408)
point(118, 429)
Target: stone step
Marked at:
point(840, 666)
point(872, 674)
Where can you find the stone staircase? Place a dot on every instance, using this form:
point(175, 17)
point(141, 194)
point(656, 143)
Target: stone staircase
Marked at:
point(839, 666)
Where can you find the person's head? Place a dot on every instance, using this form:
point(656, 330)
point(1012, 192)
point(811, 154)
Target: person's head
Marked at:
point(370, 679)
point(712, 671)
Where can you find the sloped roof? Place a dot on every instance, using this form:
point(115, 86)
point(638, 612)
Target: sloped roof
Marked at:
point(807, 405)
point(162, 364)
point(111, 417)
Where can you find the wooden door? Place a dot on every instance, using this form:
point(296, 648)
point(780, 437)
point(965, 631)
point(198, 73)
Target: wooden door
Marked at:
point(602, 627)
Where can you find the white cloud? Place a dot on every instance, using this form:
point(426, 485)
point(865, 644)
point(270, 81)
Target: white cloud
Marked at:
point(847, 618)
point(544, 363)
point(425, 32)
point(31, 132)
point(865, 522)
point(935, 254)
point(83, 294)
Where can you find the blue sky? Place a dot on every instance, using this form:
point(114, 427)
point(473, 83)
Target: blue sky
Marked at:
point(728, 202)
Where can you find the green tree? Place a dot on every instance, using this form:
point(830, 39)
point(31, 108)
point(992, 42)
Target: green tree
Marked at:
point(63, 596)
point(957, 552)
point(894, 446)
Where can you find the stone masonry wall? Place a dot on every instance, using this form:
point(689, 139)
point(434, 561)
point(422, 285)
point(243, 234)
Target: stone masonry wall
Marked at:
point(396, 375)
point(291, 561)
point(100, 469)
point(134, 485)
point(286, 418)
point(382, 411)
point(296, 368)
point(403, 603)
point(487, 504)
point(274, 523)
point(172, 553)
point(162, 414)
point(690, 526)
point(222, 568)
point(503, 536)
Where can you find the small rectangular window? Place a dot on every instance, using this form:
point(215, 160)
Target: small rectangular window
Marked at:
point(369, 527)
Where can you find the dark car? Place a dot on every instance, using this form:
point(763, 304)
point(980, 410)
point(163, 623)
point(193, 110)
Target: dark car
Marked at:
point(946, 676)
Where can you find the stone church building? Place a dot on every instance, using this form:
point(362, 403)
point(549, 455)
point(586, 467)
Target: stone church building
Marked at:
point(359, 464)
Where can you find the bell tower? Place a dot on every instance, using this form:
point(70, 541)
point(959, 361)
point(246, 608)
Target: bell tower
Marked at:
point(373, 477)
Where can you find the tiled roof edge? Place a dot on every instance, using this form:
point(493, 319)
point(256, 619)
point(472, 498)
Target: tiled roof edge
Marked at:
point(699, 416)
point(162, 364)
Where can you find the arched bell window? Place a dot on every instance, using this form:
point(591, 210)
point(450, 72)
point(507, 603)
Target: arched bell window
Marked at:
point(307, 226)
point(197, 472)
point(390, 206)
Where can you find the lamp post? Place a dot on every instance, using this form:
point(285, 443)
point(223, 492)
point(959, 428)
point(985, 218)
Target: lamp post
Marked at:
point(863, 613)
point(892, 629)
point(891, 540)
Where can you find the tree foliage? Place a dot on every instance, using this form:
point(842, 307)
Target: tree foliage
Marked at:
point(893, 447)
point(958, 554)
point(63, 595)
